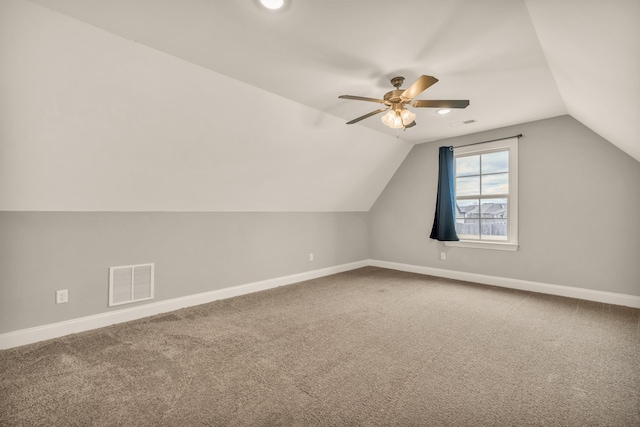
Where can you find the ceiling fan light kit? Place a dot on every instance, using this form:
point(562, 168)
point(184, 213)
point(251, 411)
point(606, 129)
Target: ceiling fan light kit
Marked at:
point(398, 116)
point(398, 119)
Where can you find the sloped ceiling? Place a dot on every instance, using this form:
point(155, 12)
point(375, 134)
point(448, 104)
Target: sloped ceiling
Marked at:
point(593, 51)
point(251, 95)
point(94, 122)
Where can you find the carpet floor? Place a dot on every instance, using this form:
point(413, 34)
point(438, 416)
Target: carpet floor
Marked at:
point(368, 347)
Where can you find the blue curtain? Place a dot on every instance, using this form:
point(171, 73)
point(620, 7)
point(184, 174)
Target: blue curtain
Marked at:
point(444, 223)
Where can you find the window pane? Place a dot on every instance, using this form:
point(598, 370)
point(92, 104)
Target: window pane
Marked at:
point(468, 186)
point(495, 184)
point(494, 208)
point(469, 165)
point(486, 193)
point(494, 229)
point(467, 209)
point(468, 229)
point(495, 162)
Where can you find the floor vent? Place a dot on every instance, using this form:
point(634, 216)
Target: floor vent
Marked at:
point(130, 283)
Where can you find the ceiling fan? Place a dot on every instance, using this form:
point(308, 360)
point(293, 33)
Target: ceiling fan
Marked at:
point(395, 101)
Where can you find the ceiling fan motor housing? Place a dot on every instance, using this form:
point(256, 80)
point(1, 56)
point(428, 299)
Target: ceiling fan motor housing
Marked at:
point(395, 100)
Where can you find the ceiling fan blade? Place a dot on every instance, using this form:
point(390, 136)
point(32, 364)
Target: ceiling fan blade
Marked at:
point(373, 113)
point(418, 86)
point(361, 98)
point(451, 103)
point(410, 125)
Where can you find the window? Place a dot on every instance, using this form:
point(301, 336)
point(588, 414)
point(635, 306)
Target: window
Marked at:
point(486, 192)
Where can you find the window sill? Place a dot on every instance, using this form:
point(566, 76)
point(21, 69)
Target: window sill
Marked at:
point(496, 246)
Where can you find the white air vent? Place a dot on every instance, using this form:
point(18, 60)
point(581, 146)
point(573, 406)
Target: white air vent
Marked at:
point(466, 122)
point(130, 283)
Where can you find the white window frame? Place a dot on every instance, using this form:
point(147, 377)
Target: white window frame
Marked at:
point(510, 144)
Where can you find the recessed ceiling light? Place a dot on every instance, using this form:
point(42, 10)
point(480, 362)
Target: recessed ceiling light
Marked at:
point(272, 4)
point(444, 111)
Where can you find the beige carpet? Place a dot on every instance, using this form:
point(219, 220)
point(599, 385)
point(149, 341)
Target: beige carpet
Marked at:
point(370, 347)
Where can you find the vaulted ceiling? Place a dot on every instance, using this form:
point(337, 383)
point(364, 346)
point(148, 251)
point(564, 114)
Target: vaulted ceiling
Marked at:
point(515, 60)
point(282, 72)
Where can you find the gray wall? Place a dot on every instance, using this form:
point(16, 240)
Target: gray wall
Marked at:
point(579, 211)
point(41, 252)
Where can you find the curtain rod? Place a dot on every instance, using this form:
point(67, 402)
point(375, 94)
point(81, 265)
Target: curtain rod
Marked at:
point(491, 140)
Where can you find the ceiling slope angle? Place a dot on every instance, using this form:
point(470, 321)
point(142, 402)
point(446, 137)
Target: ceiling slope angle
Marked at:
point(593, 50)
point(515, 60)
point(487, 52)
point(95, 122)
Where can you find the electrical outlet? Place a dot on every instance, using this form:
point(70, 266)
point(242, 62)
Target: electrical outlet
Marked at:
point(62, 296)
point(443, 255)
point(310, 257)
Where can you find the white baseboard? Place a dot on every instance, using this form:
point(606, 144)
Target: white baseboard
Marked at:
point(55, 330)
point(524, 285)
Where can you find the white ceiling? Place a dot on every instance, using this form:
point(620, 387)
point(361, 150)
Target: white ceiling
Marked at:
point(95, 122)
point(218, 105)
point(515, 60)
